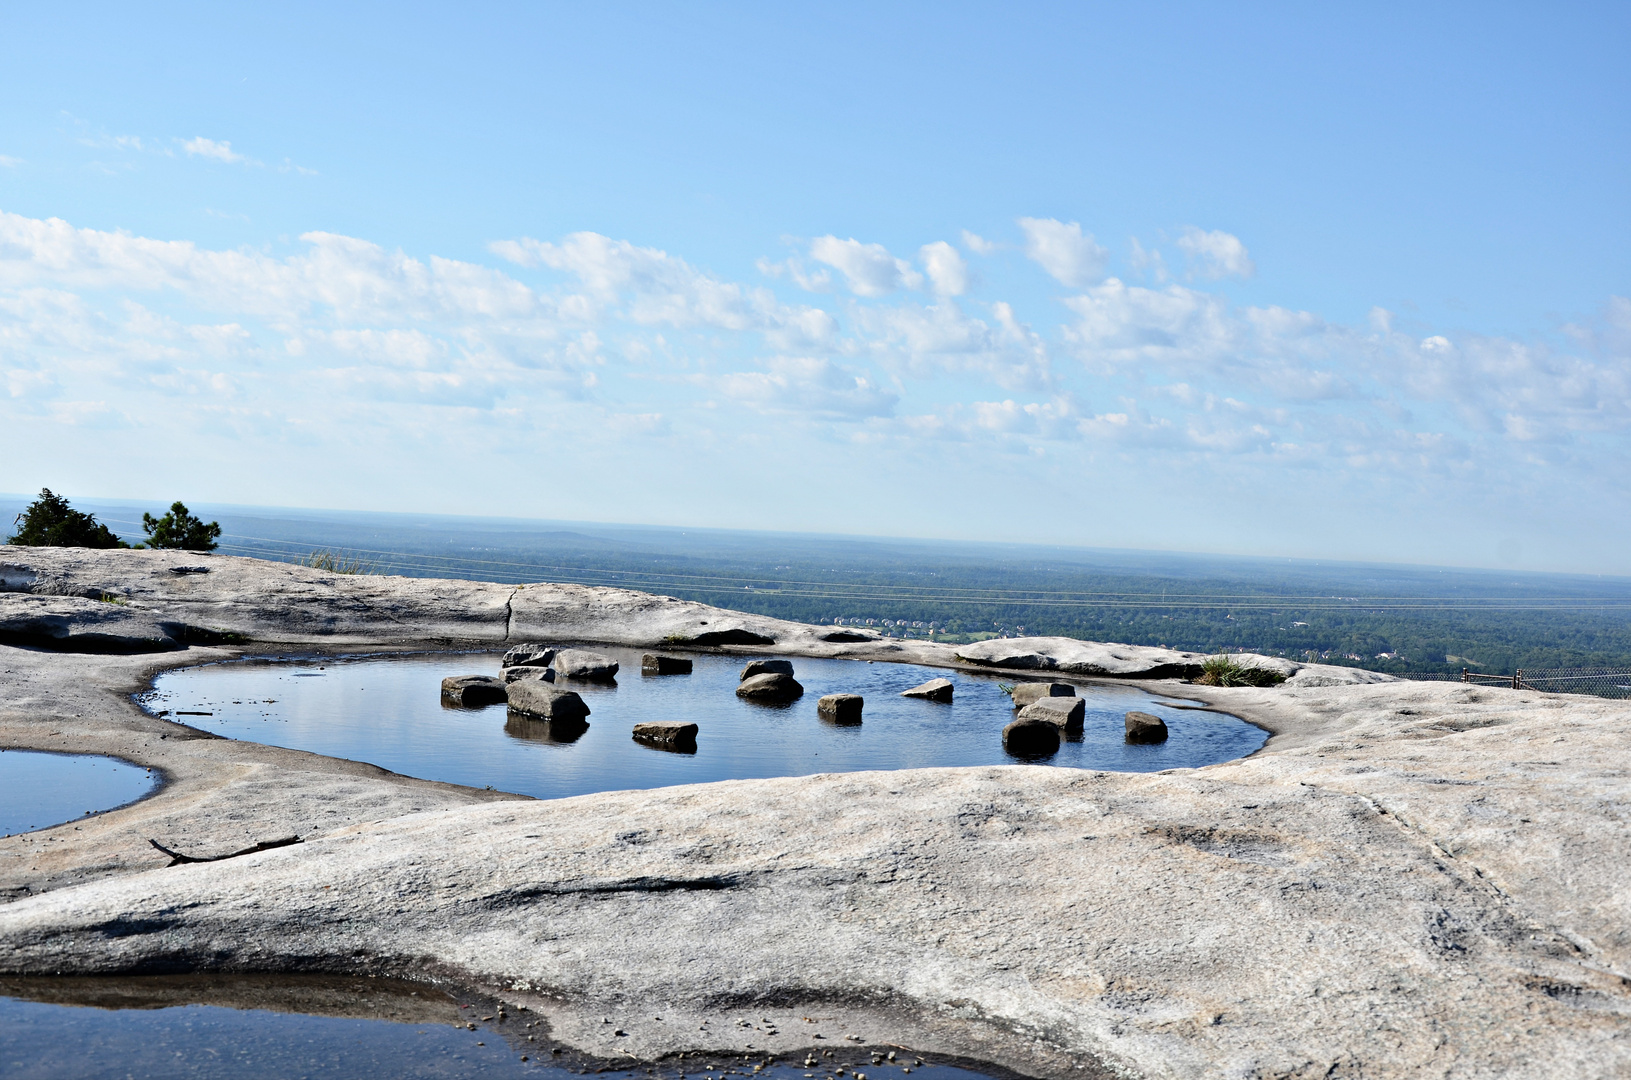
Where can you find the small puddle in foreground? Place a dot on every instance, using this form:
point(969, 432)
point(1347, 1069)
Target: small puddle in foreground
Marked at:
point(39, 789)
point(229, 1028)
point(388, 711)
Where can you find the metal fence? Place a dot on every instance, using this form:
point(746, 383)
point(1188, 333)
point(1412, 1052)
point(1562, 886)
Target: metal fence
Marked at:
point(1599, 682)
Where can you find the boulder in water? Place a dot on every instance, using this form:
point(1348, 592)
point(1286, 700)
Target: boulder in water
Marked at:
point(473, 691)
point(840, 708)
point(657, 664)
point(586, 665)
point(1144, 728)
point(538, 698)
point(530, 654)
point(1027, 692)
point(677, 735)
point(760, 667)
point(772, 687)
point(933, 690)
point(1031, 738)
point(1065, 713)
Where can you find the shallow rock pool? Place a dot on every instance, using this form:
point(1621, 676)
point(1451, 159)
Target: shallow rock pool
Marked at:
point(229, 1028)
point(389, 712)
point(40, 789)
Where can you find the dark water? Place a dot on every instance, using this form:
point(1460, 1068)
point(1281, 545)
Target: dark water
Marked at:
point(388, 711)
point(123, 1037)
point(39, 789)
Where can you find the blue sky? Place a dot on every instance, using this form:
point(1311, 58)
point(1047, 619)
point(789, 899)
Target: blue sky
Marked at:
point(1333, 281)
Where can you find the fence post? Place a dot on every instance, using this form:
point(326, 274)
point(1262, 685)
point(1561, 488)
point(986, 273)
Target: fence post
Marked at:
point(1464, 677)
point(1517, 679)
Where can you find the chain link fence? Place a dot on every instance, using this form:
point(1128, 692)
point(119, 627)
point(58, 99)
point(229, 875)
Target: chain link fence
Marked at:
point(1599, 682)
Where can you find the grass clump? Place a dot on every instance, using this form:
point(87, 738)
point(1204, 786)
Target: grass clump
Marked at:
point(338, 562)
point(1222, 670)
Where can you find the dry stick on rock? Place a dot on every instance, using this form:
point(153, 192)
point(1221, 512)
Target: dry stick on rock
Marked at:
point(177, 858)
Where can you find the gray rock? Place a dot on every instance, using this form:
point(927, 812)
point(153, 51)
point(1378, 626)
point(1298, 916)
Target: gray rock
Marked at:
point(1031, 738)
point(667, 735)
point(76, 624)
point(933, 690)
point(840, 708)
point(1027, 692)
point(657, 664)
point(1065, 713)
point(530, 654)
point(586, 665)
point(848, 637)
point(473, 691)
point(770, 687)
point(1144, 728)
point(760, 667)
point(538, 698)
point(516, 673)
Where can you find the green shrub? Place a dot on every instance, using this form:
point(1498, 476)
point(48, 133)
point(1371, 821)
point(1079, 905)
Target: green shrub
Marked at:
point(50, 522)
point(1222, 670)
point(180, 529)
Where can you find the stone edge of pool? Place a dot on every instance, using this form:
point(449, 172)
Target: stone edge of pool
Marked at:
point(1408, 878)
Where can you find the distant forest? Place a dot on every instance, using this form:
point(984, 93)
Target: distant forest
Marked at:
point(1386, 618)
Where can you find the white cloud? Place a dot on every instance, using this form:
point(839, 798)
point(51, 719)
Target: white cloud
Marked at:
point(9, 162)
point(869, 268)
point(1072, 258)
point(977, 243)
point(921, 341)
point(1215, 254)
point(209, 148)
point(948, 273)
point(808, 385)
point(1147, 262)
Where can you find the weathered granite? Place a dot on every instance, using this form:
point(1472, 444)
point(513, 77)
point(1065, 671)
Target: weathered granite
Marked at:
point(933, 690)
point(545, 700)
point(473, 691)
point(1145, 728)
point(770, 686)
point(1411, 879)
point(840, 708)
point(765, 667)
point(667, 734)
point(586, 665)
point(1027, 692)
point(1065, 713)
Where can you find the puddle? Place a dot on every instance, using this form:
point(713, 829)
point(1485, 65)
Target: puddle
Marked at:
point(40, 789)
point(388, 711)
point(206, 1027)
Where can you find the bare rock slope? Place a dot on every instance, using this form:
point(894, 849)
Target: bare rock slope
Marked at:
point(1410, 880)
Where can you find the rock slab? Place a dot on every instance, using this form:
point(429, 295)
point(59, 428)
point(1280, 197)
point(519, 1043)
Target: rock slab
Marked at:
point(1144, 728)
point(473, 691)
point(657, 664)
point(933, 690)
point(1065, 713)
point(538, 698)
point(586, 665)
point(516, 674)
point(667, 735)
point(840, 708)
point(1028, 692)
point(770, 687)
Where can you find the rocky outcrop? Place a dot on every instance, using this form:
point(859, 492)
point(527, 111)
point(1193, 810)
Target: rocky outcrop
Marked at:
point(677, 735)
point(772, 687)
point(545, 700)
point(761, 667)
point(1027, 692)
point(473, 691)
point(840, 708)
point(657, 664)
point(933, 690)
point(585, 665)
point(1142, 727)
point(1065, 713)
point(515, 674)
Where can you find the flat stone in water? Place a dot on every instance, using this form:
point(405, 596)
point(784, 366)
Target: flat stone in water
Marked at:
point(388, 711)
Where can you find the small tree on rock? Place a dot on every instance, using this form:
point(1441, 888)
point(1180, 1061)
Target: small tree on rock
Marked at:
point(180, 529)
point(50, 522)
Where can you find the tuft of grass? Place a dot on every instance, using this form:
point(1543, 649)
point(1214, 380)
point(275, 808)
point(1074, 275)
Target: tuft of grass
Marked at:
point(1222, 670)
point(338, 562)
point(676, 639)
point(1007, 688)
point(112, 598)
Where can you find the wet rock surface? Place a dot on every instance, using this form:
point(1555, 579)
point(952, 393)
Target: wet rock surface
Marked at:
point(766, 667)
point(586, 665)
point(1065, 713)
point(840, 708)
point(658, 664)
point(668, 734)
point(545, 700)
point(1411, 879)
point(933, 690)
point(771, 687)
point(474, 691)
point(1142, 727)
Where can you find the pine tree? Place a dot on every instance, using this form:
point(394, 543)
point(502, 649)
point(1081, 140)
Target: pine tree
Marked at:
point(180, 529)
point(50, 522)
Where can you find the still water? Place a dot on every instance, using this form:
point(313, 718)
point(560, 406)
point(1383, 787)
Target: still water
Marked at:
point(39, 789)
point(85, 1032)
point(388, 711)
